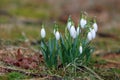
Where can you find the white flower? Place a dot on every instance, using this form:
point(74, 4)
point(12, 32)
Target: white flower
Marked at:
point(93, 33)
point(83, 22)
point(80, 49)
point(73, 32)
point(57, 35)
point(78, 31)
point(69, 25)
point(95, 26)
point(43, 33)
point(89, 36)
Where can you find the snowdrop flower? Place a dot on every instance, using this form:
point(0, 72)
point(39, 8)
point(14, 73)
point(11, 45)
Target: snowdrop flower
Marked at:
point(69, 25)
point(93, 33)
point(83, 22)
point(80, 49)
point(43, 33)
point(73, 32)
point(78, 30)
point(89, 36)
point(95, 26)
point(55, 28)
point(57, 35)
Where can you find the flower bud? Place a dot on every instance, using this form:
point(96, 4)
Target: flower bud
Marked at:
point(95, 26)
point(80, 49)
point(43, 33)
point(57, 35)
point(83, 22)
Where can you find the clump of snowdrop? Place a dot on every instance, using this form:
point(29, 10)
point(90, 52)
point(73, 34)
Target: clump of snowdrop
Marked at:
point(73, 44)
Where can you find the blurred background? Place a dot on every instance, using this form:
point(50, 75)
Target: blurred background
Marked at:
point(23, 18)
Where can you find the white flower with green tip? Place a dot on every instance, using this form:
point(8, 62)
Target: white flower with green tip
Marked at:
point(83, 22)
point(80, 49)
point(93, 33)
point(95, 26)
point(78, 30)
point(57, 35)
point(89, 36)
point(69, 25)
point(43, 33)
point(73, 32)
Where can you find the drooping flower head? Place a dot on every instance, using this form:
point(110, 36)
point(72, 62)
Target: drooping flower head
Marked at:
point(73, 32)
point(93, 33)
point(78, 30)
point(57, 35)
point(55, 28)
point(89, 36)
point(95, 26)
point(43, 33)
point(83, 21)
point(69, 23)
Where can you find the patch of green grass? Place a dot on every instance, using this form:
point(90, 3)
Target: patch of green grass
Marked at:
point(115, 70)
point(13, 76)
point(31, 13)
point(27, 9)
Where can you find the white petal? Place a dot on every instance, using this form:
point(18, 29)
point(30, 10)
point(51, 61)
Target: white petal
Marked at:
point(73, 32)
point(78, 31)
point(69, 25)
point(75, 35)
point(83, 22)
point(89, 36)
point(80, 49)
point(93, 33)
point(57, 35)
point(43, 33)
point(95, 27)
